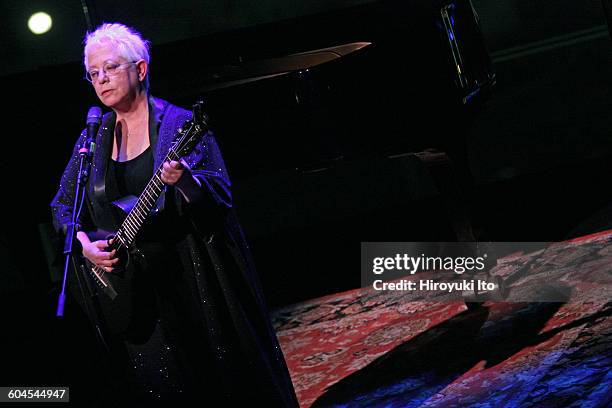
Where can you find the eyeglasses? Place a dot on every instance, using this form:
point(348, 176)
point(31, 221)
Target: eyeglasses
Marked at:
point(110, 69)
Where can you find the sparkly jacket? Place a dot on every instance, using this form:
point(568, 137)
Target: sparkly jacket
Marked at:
point(232, 305)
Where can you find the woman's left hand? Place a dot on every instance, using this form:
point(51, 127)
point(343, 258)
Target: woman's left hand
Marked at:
point(179, 174)
point(173, 171)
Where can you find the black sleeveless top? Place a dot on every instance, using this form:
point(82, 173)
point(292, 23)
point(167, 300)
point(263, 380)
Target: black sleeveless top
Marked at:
point(132, 176)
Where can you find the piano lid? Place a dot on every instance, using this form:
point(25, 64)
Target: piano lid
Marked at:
point(231, 75)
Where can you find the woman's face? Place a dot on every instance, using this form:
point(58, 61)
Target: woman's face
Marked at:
point(119, 89)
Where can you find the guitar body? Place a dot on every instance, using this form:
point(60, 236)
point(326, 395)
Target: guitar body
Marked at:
point(133, 314)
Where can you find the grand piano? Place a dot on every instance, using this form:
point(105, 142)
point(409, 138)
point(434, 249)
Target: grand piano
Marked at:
point(383, 77)
point(322, 141)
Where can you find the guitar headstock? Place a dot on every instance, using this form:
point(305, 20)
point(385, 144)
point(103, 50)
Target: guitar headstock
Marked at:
point(192, 130)
point(198, 113)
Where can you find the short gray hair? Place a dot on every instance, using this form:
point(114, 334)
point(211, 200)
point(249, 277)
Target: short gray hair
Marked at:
point(127, 40)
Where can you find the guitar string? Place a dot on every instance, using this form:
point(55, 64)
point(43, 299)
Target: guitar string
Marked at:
point(151, 185)
point(138, 215)
point(126, 223)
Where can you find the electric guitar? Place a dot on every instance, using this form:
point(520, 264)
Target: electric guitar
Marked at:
point(185, 139)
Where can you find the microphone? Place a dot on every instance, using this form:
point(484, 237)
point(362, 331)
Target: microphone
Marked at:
point(94, 119)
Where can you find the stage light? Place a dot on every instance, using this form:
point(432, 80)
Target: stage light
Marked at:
point(40, 23)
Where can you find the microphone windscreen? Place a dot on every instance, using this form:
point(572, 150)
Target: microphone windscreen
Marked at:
point(94, 116)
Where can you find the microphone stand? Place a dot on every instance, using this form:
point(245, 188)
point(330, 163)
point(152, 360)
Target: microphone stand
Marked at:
point(90, 303)
point(85, 156)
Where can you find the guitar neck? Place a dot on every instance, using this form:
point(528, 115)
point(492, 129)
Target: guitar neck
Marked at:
point(127, 232)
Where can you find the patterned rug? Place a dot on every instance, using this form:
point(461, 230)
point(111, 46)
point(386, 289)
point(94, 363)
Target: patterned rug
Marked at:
point(364, 348)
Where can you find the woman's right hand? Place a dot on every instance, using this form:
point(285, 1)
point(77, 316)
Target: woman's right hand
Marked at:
point(96, 252)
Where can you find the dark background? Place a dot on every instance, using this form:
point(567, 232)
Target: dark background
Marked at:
point(532, 162)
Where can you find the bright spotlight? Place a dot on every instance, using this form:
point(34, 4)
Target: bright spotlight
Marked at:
point(40, 23)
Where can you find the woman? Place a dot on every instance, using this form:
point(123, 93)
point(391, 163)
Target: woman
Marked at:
point(191, 320)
